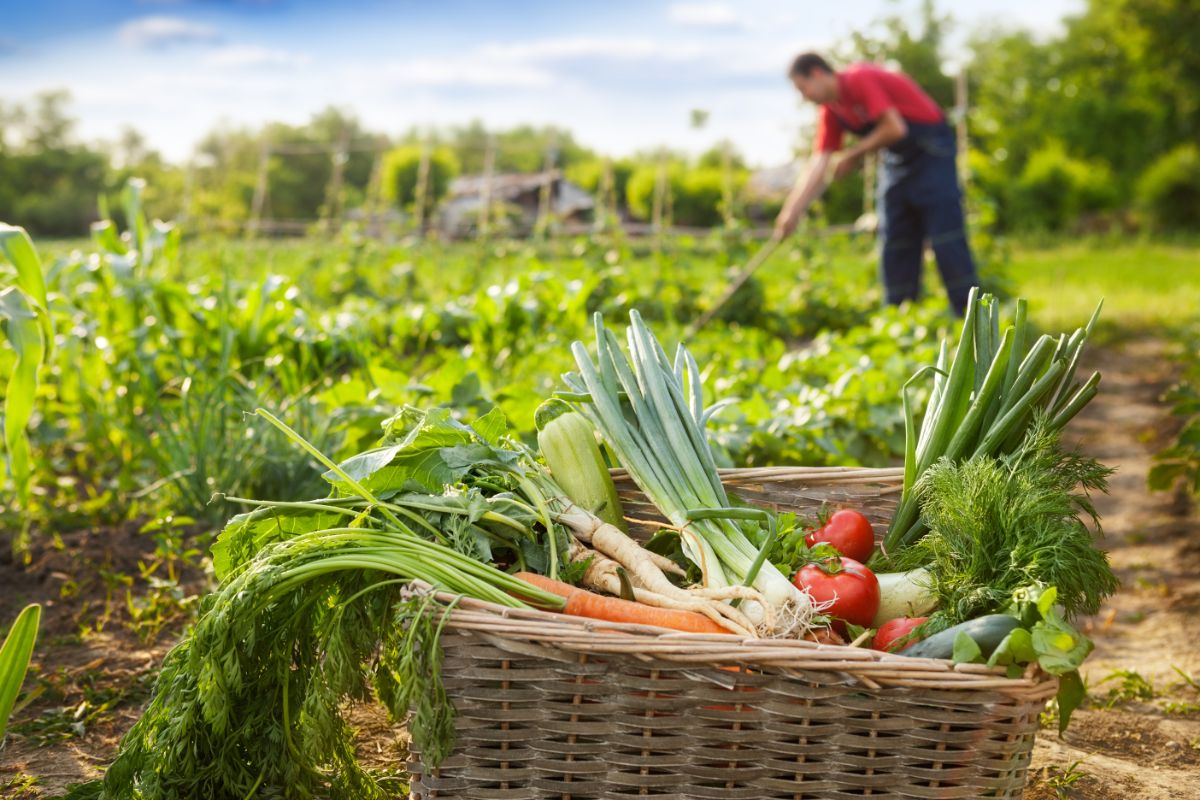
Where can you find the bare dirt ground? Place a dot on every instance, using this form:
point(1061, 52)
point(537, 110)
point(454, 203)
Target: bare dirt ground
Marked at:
point(97, 656)
point(1147, 745)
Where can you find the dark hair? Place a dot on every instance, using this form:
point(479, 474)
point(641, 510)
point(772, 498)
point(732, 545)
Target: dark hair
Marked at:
point(805, 63)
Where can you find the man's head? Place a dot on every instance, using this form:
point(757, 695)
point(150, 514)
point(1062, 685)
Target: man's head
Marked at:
point(814, 78)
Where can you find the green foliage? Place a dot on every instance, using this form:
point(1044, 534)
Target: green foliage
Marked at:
point(589, 175)
point(401, 171)
point(640, 188)
point(918, 53)
point(694, 194)
point(1118, 87)
point(50, 181)
point(1054, 188)
point(998, 525)
point(1169, 190)
point(1179, 462)
point(1063, 779)
point(30, 332)
point(698, 197)
point(14, 659)
point(522, 148)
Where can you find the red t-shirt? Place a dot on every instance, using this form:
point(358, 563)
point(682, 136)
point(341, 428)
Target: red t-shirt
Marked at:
point(865, 91)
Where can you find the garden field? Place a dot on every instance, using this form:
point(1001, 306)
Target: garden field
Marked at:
point(142, 442)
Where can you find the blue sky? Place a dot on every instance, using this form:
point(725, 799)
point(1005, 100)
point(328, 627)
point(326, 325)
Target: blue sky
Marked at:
point(622, 75)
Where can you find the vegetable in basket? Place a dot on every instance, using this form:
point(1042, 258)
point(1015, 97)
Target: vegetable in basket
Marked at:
point(315, 608)
point(985, 399)
point(848, 532)
point(847, 590)
point(567, 441)
point(651, 413)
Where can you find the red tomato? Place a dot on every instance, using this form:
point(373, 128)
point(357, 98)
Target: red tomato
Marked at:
point(849, 532)
point(895, 629)
point(848, 585)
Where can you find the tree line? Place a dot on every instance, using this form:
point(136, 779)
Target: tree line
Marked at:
point(1095, 127)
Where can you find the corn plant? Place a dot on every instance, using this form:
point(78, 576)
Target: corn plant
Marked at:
point(14, 660)
point(30, 332)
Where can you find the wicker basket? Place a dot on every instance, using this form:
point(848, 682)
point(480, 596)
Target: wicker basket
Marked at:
point(550, 706)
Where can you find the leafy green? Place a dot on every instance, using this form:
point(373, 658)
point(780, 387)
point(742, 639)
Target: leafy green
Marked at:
point(1000, 524)
point(253, 698)
point(424, 451)
point(966, 650)
point(14, 659)
point(1071, 693)
point(30, 332)
point(984, 400)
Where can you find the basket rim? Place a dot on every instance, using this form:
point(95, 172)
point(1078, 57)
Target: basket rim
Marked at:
point(871, 668)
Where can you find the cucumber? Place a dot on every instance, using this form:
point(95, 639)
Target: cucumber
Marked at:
point(988, 632)
point(568, 444)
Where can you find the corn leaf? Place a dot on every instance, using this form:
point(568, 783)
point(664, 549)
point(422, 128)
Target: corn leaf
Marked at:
point(18, 249)
point(25, 334)
point(14, 659)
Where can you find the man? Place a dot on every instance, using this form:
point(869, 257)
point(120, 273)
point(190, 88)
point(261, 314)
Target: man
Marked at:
point(919, 195)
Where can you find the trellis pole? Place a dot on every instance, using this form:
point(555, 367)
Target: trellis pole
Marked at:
point(258, 204)
point(421, 191)
point(489, 168)
point(549, 160)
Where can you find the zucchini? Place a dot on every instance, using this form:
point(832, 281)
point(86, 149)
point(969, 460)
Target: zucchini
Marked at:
point(568, 444)
point(988, 632)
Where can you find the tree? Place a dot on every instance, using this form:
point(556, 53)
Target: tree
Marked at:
point(401, 170)
point(50, 181)
point(919, 54)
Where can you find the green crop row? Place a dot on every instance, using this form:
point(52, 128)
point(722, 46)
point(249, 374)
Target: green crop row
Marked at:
point(162, 346)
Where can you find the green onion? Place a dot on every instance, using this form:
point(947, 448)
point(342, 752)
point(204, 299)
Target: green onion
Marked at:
point(650, 411)
point(984, 400)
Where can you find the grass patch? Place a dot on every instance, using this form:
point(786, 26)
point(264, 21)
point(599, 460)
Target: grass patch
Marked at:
point(1143, 284)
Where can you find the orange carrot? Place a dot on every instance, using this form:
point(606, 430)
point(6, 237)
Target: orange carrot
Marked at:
point(582, 603)
point(547, 584)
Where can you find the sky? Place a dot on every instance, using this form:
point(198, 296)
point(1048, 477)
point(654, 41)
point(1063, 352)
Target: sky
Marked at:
point(622, 75)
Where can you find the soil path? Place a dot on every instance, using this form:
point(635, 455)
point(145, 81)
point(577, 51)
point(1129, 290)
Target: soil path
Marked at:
point(1147, 746)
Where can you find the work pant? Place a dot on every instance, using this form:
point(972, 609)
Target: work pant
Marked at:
point(920, 199)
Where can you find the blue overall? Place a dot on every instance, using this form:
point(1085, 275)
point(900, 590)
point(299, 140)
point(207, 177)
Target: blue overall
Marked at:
point(919, 198)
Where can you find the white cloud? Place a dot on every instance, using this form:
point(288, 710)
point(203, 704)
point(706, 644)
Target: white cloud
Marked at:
point(254, 56)
point(616, 48)
point(161, 31)
point(460, 71)
point(527, 64)
point(704, 15)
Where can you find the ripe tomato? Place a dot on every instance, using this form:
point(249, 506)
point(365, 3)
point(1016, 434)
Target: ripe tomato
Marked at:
point(848, 585)
point(892, 630)
point(849, 532)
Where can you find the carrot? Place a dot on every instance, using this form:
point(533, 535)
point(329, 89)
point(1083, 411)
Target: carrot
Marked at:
point(547, 584)
point(582, 603)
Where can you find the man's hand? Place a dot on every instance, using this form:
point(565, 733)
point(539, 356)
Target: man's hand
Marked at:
point(846, 165)
point(786, 222)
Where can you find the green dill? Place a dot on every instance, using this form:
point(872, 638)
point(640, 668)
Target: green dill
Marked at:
point(999, 524)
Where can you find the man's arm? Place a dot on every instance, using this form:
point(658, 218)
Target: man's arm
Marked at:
point(890, 129)
point(806, 190)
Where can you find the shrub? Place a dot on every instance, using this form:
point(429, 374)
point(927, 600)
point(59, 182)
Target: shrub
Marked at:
point(1168, 192)
point(696, 194)
point(1054, 188)
point(587, 175)
point(400, 170)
